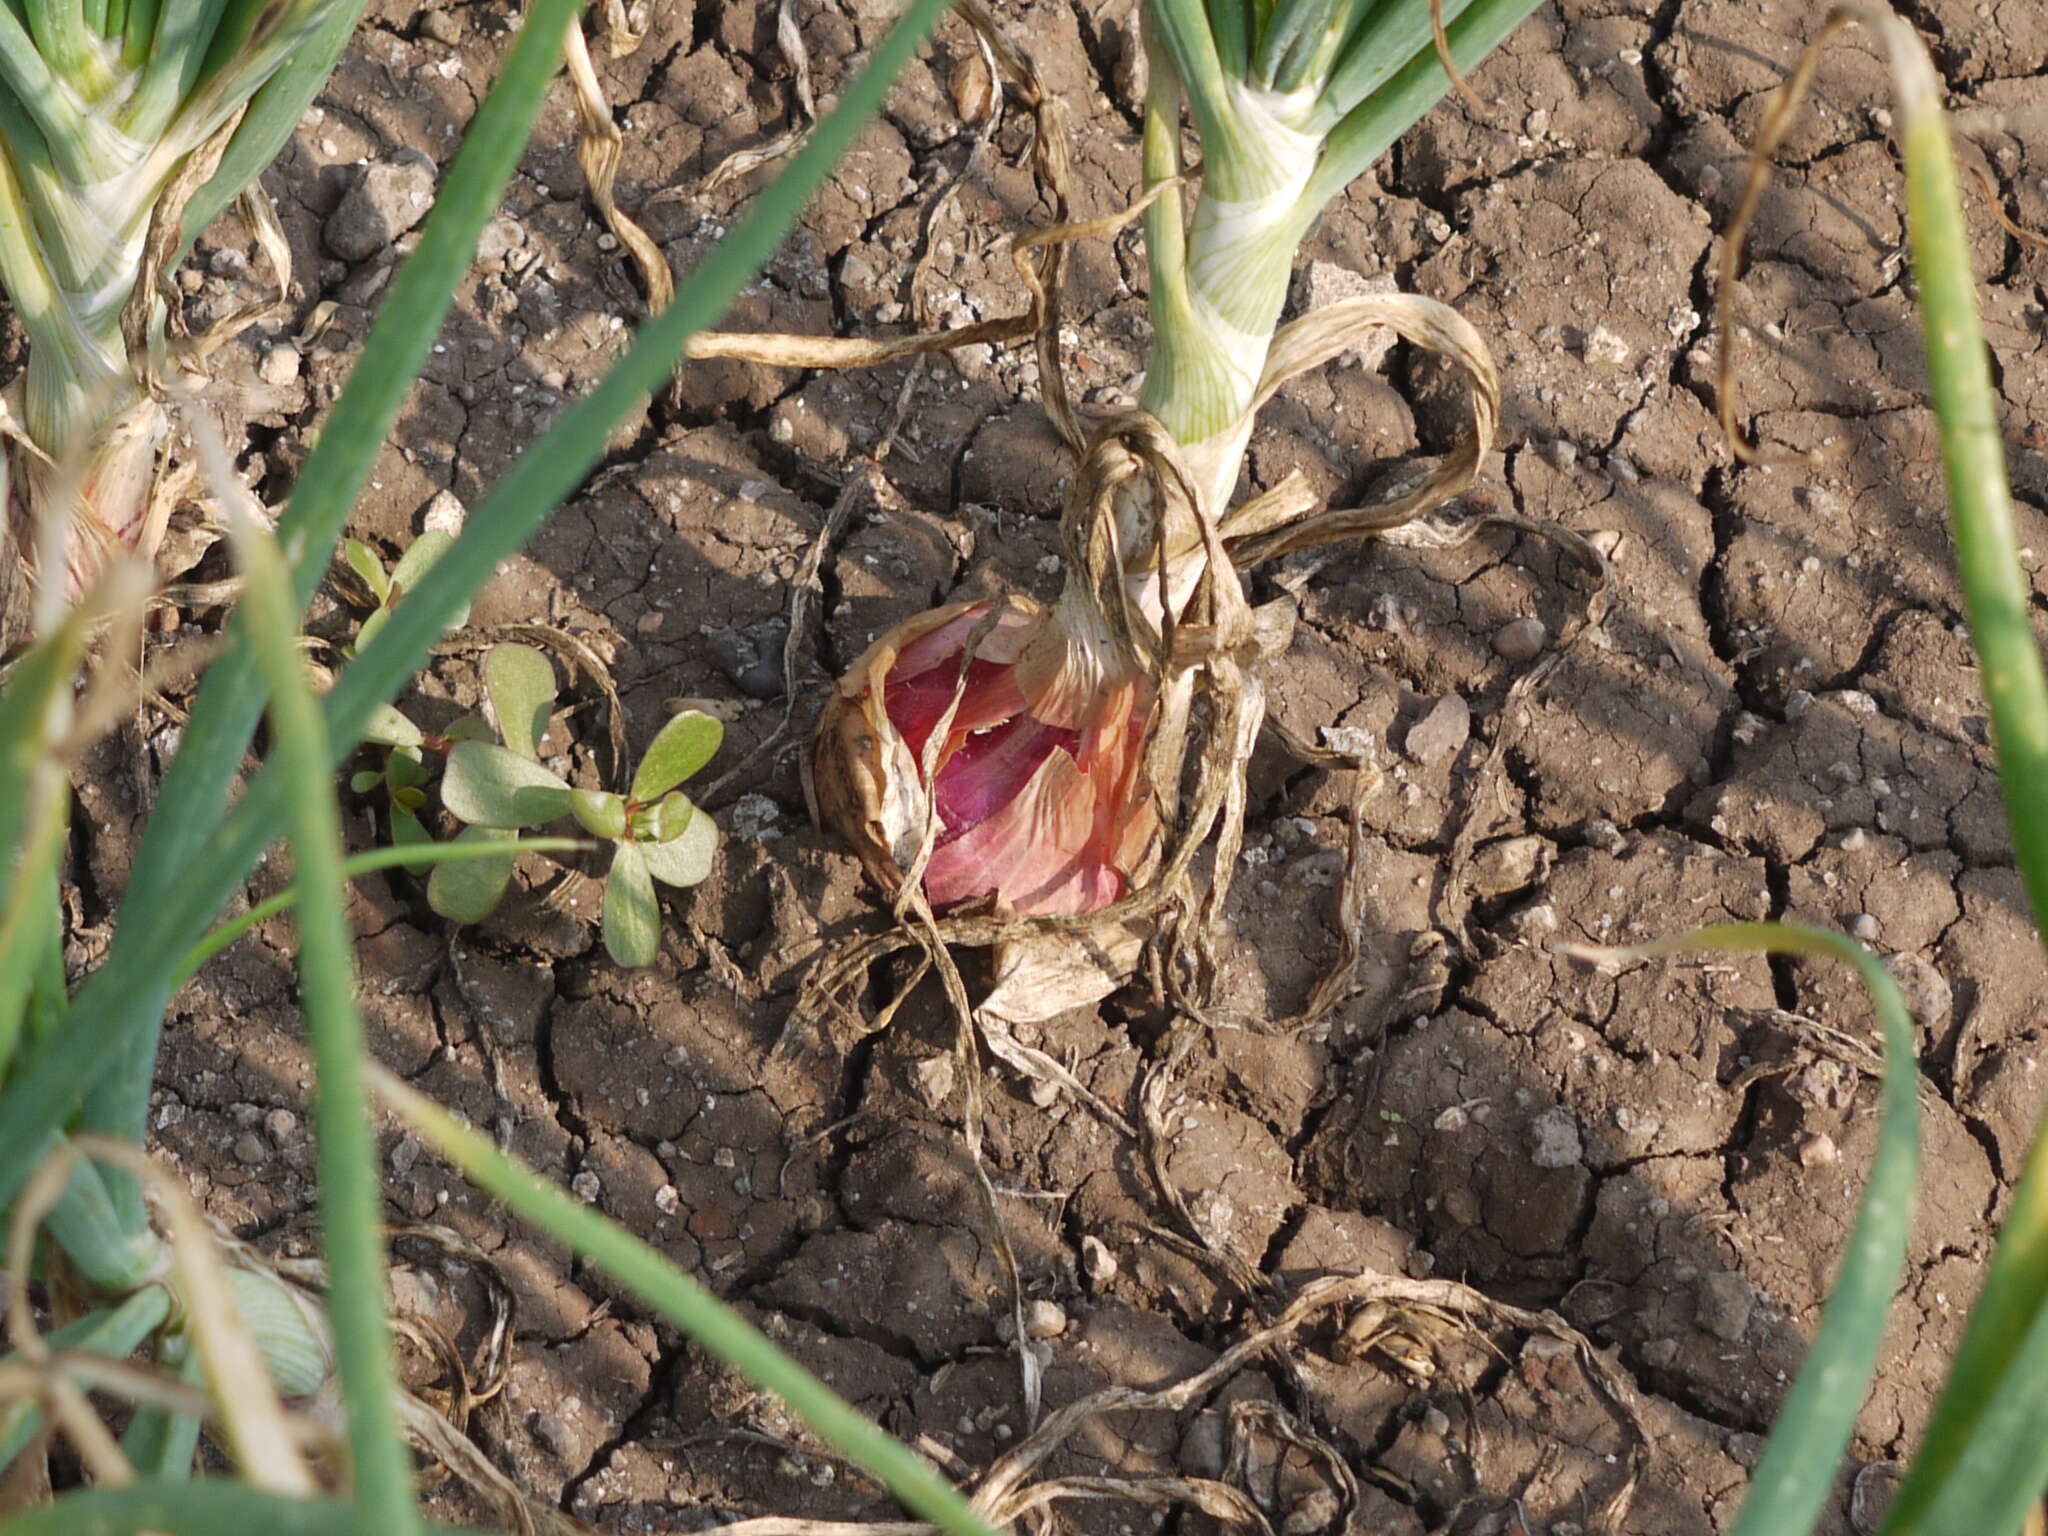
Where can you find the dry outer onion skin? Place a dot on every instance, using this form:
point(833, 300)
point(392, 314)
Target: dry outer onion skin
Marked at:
point(868, 785)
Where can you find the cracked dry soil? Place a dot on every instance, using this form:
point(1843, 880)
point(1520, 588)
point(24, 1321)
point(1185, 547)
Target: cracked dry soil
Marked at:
point(1779, 718)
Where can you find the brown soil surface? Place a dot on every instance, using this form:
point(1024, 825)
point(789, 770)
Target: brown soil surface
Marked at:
point(1780, 717)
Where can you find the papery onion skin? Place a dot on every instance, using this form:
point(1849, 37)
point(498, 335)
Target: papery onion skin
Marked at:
point(1039, 784)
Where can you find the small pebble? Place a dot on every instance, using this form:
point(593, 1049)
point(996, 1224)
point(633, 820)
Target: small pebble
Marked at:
point(1608, 349)
point(934, 1077)
point(554, 1431)
point(1201, 1446)
point(1818, 1151)
point(280, 365)
point(1870, 1496)
point(1097, 1262)
point(1554, 1140)
point(1606, 836)
point(587, 1186)
point(1044, 1319)
point(1322, 283)
point(444, 513)
point(391, 197)
point(1928, 993)
point(1441, 733)
point(1520, 639)
point(1633, 1122)
point(753, 817)
point(752, 657)
point(1389, 614)
point(251, 1149)
point(1510, 864)
point(1865, 928)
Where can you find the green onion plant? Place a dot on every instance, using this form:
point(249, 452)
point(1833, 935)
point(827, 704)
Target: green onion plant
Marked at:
point(1291, 100)
point(125, 127)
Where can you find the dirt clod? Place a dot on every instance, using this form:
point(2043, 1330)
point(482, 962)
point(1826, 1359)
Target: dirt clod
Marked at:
point(1723, 1303)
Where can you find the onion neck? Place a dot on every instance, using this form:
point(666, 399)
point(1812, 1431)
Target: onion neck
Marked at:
point(1218, 285)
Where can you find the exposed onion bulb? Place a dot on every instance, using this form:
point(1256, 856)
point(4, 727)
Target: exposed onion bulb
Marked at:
point(1037, 793)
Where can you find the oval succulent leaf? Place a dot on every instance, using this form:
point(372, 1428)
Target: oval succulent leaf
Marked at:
point(521, 683)
point(469, 890)
point(670, 815)
point(487, 786)
point(364, 781)
point(686, 858)
point(405, 768)
point(367, 631)
point(388, 728)
point(406, 832)
point(632, 913)
point(418, 559)
point(601, 814)
point(682, 747)
point(364, 562)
